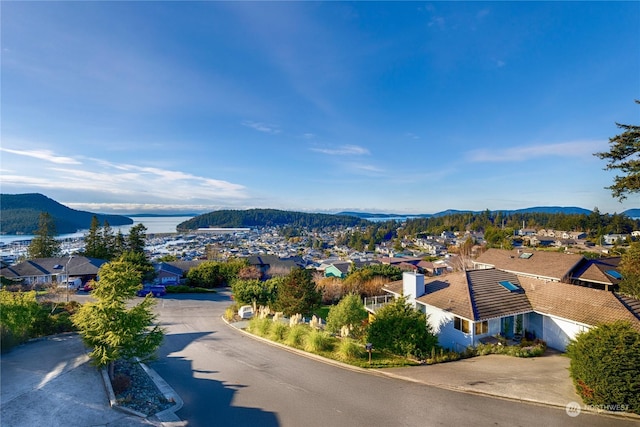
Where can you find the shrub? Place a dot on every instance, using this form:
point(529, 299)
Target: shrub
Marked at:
point(318, 341)
point(260, 327)
point(18, 313)
point(348, 312)
point(401, 330)
point(349, 349)
point(605, 362)
point(254, 291)
point(184, 289)
point(278, 331)
point(296, 335)
point(230, 312)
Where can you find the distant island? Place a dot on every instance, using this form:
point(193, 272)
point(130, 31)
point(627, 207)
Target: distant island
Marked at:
point(19, 214)
point(567, 210)
point(266, 218)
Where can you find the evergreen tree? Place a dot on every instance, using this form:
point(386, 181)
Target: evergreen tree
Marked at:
point(141, 263)
point(630, 270)
point(44, 243)
point(111, 327)
point(108, 242)
point(298, 293)
point(93, 239)
point(119, 245)
point(136, 239)
point(623, 156)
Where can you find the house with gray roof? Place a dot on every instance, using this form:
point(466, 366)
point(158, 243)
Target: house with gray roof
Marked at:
point(45, 271)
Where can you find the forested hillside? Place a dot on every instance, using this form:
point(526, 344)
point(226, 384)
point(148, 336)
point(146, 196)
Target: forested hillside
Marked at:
point(268, 217)
point(594, 223)
point(20, 212)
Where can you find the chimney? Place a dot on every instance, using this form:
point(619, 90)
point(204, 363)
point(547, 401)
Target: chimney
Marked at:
point(412, 285)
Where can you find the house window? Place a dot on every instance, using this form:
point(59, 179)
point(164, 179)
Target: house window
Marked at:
point(461, 324)
point(482, 328)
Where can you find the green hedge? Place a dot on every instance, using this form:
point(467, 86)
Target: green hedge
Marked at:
point(605, 366)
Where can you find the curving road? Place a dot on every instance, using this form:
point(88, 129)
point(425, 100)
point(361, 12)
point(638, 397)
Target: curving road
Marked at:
point(228, 379)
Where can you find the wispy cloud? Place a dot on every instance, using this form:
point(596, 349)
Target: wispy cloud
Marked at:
point(108, 180)
point(524, 153)
point(343, 150)
point(261, 127)
point(43, 155)
point(361, 167)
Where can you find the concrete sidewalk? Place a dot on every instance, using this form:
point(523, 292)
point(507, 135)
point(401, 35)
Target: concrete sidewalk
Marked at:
point(50, 382)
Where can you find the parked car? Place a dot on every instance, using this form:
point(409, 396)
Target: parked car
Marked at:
point(72, 284)
point(155, 290)
point(245, 312)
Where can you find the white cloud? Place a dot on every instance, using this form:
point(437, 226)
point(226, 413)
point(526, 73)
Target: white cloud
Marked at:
point(103, 180)
point(43, 155)
point(524, 153)
point(342, 150)
point(261, 127)
point(361, 167)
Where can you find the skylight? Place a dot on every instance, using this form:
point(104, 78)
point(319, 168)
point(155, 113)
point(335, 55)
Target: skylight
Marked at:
point(526, 255)
point(614, 274)
point(511, 287)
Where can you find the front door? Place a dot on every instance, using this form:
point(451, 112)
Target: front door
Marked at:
point(506, 327)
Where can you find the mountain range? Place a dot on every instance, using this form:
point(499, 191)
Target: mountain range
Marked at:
point(19, 214)
point(568, 210)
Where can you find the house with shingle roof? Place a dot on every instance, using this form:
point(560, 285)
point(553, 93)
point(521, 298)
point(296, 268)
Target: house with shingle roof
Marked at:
point(553, 266)
point(600, 273)
point(467, 308)
point(44, 271)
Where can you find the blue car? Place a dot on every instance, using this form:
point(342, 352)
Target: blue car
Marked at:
point(155, 290)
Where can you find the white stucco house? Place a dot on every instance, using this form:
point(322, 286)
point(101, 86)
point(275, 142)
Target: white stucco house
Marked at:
point(468, 308)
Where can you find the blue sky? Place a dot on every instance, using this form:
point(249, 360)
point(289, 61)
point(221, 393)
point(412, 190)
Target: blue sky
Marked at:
point(411, 107)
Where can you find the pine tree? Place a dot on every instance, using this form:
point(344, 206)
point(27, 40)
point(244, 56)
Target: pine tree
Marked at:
point(44, 243)
point(119, 245)
point(623, 155)
point(108, 242)
point(298, 293)
point(93, 239)
point(137, 236)
point(111, 327)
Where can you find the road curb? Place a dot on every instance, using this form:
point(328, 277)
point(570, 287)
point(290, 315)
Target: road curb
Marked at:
point(167, 417)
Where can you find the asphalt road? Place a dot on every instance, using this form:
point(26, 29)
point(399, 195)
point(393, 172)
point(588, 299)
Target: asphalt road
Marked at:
point(226, 378)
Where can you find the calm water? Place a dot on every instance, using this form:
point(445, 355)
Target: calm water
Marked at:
point(154, 224)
